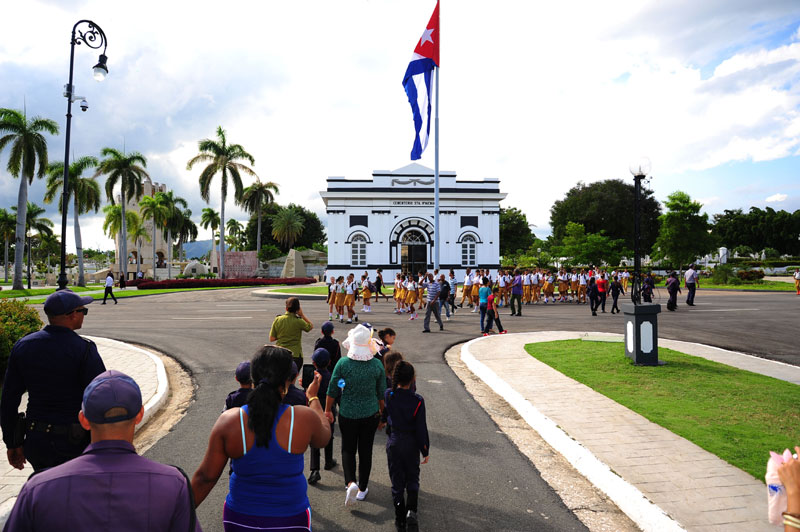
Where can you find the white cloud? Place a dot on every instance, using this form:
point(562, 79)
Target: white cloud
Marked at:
point(776, 198)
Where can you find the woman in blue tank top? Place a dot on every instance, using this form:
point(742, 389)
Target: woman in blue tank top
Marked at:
point(265, 441)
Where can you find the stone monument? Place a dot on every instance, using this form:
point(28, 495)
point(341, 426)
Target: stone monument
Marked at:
point(293, 267)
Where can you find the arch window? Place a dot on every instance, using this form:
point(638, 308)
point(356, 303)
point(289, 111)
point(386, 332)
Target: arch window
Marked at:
point(468, 254)
point(358, 250)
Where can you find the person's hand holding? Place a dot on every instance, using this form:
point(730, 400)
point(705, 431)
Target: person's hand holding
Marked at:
point(16, 457)
point(425, 460)
point(789, 474)
point(313, 388)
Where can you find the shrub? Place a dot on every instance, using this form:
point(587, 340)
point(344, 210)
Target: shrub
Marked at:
point(208, 283)
point(16, 320)
point(750, 275)
point(722, 273)
point(735, 281)
point(269, 252)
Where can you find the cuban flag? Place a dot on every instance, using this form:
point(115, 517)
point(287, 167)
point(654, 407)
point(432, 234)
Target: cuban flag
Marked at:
point(418, 82)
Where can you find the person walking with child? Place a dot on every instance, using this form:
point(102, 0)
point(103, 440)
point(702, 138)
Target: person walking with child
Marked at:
point(321, 359)
point(407, 440)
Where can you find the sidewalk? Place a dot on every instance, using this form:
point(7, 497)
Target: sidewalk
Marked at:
point(145, 368)
point(662, 481)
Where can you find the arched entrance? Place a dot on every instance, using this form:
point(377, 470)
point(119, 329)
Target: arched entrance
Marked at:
point(413, 251)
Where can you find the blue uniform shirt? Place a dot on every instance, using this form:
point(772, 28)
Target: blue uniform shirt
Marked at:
point(108, 487)
point(54, 366)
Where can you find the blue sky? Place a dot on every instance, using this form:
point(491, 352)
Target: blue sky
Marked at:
point(540, 95)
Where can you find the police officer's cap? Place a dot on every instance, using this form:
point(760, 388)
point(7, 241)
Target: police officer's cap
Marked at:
point(63, 302)
point(111, 397)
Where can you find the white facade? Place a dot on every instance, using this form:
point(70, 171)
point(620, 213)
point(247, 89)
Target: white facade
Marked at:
point(388, 222)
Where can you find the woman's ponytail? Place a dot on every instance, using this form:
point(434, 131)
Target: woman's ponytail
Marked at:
point(270, 367)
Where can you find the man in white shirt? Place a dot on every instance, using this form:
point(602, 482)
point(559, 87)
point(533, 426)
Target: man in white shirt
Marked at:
point(797, 281)
point(692, 281)
point(109, 289)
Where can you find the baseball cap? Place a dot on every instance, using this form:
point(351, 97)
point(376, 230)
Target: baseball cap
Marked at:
point(243, 372)
point(321, 357)
point(111, 389)
point(64, 301)
point(327, 327)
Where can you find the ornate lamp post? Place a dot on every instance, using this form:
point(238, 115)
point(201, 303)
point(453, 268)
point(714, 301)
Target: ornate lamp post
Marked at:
point(93, 37)
point(641, 320)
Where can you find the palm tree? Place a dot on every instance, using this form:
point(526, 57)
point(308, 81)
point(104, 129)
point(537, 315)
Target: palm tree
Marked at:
point(7, 228)
point(154, 208)
point(137, 233)
point(85, 193)
point(223, 158)
point(210, 218)
point(128, 170)
point(254, 198)
point(34, 222)
point(186, 231)
point(234, 227)
point(112, 225)
point(287, 226)
point(173, 221)
point(48, 245)
point(28, 146)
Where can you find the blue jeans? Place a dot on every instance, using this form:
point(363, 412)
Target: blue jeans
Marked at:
point(444, 303)
point(483, 307)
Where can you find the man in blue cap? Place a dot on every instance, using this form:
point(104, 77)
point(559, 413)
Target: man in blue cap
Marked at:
point(109, 486)
point(54, 366)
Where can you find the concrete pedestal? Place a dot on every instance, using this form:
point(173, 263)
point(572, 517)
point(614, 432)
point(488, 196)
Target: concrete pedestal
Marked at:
point(641, 333)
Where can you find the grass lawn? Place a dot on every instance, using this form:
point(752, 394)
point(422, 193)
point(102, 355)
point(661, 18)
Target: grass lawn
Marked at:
point(734, 414)
point(777, 286)
point(132, 292)
point(319, 290)
point(45, 291)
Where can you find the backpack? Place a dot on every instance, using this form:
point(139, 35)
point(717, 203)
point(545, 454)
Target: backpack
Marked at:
point(371, 286)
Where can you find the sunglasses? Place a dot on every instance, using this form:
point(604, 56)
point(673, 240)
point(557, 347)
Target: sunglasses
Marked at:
point(83, 311)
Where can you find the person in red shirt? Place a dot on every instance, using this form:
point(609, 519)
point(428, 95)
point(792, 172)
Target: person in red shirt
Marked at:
point(602, 290)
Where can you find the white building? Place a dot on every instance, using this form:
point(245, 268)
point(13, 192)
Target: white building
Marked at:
point(387, 222)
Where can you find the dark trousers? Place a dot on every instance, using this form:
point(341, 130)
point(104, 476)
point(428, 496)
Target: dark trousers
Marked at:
point(602, 302)
point(46, 450)
point(672, 303)
point(614, 307)
point(594, 302)
point(692, 287)
point(493, 318)
point(314, 460)
point(648, 296)
point(518, 299)
point(483, 307)
point(358, 435)
point(109, 292)
point(433, 307)
point(403, 457)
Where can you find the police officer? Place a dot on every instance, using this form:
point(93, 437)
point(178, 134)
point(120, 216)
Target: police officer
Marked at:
point(54, 366)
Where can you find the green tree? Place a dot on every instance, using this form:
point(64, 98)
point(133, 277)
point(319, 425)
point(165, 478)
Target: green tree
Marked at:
point(85, 195)
point(313, 230)
point(684, 234)
point(112, 224)
point(7, 228)
point(254, 198)
point(186, 231)
point(34, 221)
point(607, 206)
point(137, 232)
point(759, 228)
point(287, 225)
point(224, 159)
point(173, 221)
point(155, 208)
point(28, 147)
point(128, 170)
point(234, 227)
point(269, 252)
point(590, 248)
point(210, 218)
point(515, 232)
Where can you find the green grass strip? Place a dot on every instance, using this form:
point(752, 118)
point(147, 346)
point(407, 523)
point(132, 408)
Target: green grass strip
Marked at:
point(735, 414)
point(776, 286)
point(318, 290)
point(44, 291)
point(132, 292)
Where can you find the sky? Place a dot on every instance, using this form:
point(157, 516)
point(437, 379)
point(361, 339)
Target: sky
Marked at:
point(541, 95)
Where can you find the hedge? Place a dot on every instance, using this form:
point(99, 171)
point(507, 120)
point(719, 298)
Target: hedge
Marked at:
point(207, 283)
point(16, 320)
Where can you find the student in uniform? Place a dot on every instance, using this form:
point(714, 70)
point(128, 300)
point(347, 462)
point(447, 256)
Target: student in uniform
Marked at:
point(583, 280)
point(477, 283)
point(466, 290)
point(625, 278)
point(501, 282)
point(411, 297)
point(536, 287)
point(573, 285)
point(332, 299)
point(408, 439)
point(797, 281)
point(366, 293)
point(351, 288)
point(341, 296)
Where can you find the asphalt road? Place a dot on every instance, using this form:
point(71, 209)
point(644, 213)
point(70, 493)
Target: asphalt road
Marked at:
point(476, 479)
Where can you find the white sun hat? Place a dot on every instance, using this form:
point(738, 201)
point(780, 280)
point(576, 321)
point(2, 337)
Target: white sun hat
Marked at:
point(360, 344)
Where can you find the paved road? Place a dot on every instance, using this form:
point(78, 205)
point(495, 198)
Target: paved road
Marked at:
point(476, 480)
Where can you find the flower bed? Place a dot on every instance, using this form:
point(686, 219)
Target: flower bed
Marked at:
point(207, 283)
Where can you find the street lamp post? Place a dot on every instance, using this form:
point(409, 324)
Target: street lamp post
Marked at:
point(93, 37)
point(641, 319)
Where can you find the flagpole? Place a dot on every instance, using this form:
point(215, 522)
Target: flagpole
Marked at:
point(436, 239)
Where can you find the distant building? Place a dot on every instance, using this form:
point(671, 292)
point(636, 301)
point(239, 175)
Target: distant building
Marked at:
point(388, 222)
point(146, 258)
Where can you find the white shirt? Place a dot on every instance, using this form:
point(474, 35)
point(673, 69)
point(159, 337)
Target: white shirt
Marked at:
point(797, 275)
point(502, 280)
point(468, 279)
point(574, 277)
point(583, 279)
point(350, 287)
point(109, 282)
point(690, 276)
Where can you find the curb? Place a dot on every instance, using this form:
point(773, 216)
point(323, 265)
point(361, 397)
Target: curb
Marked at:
point(270, 293)
point(627, 497)
point(150, 408)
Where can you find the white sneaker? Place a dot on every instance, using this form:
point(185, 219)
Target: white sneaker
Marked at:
point(361, 495)
point(350, 494)
point(475, 310)
point(447, 318)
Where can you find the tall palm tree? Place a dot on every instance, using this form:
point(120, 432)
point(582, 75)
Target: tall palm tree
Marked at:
point(173, 221)
point(48, 244)
point(137, 232)
point(34, 221)
point(28, 146)
point(210, 218)
point(287, 226)
point(155, 208)
point(221, 158)
point(112, 225)
point(85, 194)
point(7, 227)
point(128, 170)
point(254, 198)
point(186, 231)
point(234, 227)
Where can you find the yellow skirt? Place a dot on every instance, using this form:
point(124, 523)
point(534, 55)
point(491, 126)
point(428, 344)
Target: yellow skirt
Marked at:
point(475, 289)
point(349, 300)
point(574, 286)
point(411, 298)
point(366, 294)
point(340, 300)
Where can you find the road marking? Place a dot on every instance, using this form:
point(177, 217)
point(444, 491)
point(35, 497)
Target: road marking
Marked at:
point(235, 310)
point(728, 310)
point(218, 318)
